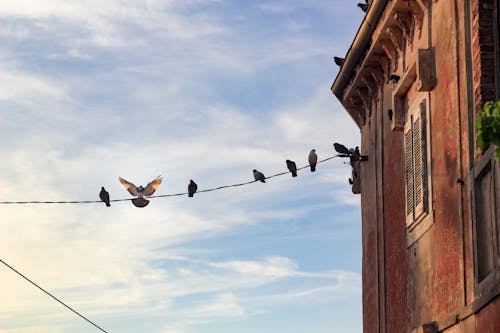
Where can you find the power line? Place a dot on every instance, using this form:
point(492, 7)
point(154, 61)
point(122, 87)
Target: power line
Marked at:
point(58, 300)
point(157, 196)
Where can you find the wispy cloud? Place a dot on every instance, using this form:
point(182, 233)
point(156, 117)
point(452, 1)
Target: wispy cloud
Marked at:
point(205, 90)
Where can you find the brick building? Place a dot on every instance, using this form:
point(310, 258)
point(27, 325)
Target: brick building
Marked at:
point(413, 80)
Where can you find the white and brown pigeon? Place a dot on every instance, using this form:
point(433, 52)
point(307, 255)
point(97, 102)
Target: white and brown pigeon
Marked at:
point(141, 192)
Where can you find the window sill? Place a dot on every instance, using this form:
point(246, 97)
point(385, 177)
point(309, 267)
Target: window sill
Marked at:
point(418, 229)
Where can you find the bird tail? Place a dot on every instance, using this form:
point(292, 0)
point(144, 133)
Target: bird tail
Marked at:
point(294, 174)
point(108, 204)
point(313, 168)
point(263, 181)
point(190, 195)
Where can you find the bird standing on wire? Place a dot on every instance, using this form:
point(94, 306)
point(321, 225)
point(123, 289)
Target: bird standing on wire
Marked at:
point(259, 176)
point(292, 167)
point(313, 160)
point(141, 192)
point(104, 196)
point(192, 188)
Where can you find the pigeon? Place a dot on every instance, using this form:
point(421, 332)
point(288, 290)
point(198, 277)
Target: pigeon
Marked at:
point(259, 176)
point(363, 6)
point(341, 149)
point(394, 78)
point(292, 167)
point(313, 160)
point(141, 192)
point(192, 188)
point(104, 195)
point(338, 61)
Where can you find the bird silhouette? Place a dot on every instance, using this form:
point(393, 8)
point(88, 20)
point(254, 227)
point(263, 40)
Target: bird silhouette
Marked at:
point(259, 176)
point(192, 188)
point(292, 167)
point(394, 78)
point(104, 196)
point(341, 149)
point(338, 61)
point(141, 192)
point(313, 160)
point(363, 6)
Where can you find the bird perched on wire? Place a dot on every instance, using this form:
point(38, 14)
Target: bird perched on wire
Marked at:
point(192, 188)
point(104, 196)
point(292, 167)
point(338, 61)
point(363, 6)
point(313, 160)
point(141, 192)
point(259, 176)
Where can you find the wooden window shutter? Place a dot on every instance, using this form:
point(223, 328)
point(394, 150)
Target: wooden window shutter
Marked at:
point(420, 163)
point(409, 172)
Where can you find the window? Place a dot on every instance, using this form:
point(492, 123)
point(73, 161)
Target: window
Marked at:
point(417, 169)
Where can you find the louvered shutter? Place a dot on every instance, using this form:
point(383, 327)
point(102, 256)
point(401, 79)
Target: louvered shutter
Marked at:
point(409, 172)
point(419, 163)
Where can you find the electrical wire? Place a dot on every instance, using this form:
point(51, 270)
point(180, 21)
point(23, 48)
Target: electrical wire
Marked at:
point(161, 195)
point(55, 298)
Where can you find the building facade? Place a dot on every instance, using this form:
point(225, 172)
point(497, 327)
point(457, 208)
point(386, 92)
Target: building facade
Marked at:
point(413, 80)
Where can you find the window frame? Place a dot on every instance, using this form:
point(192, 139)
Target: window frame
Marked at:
point(417, 226)
point(484, 284)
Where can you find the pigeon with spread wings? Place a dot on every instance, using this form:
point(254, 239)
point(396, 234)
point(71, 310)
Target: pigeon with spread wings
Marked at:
point(141, 192)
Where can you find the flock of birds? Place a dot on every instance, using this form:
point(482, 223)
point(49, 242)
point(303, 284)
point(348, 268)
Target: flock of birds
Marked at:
point(140, 192)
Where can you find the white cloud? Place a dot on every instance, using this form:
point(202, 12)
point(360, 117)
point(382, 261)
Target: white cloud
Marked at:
point(97, 90)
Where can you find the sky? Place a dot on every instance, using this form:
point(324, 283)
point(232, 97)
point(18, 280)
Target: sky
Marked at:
point(188, 89)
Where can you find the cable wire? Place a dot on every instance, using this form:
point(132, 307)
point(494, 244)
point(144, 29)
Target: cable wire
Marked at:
point(158, 196)
point(55, 298)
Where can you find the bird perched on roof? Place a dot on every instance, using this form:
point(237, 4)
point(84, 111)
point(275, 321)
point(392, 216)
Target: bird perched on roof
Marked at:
point(292, 167)
point(104, 196)
point(141, 192)
point(338, 61)
point(313, 160)
point(394, 78)
point(259, 176)
point(192, 188)
point(341, 149)
point(363, 6)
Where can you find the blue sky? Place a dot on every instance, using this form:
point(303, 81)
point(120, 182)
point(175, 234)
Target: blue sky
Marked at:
point(202, 89)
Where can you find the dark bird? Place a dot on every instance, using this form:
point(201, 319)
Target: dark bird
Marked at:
point(341, 149)
point(363, 6)
point(104, 195)
point(292, 167)
point(192, 188)
point(338, 61)
point(313, 160)
point(141, 192)
point(394, 78)
point(259, 176)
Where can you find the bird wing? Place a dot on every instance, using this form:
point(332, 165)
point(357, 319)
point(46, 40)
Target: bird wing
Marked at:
point(341, 149)
point(152, 186)
point(131, 188)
